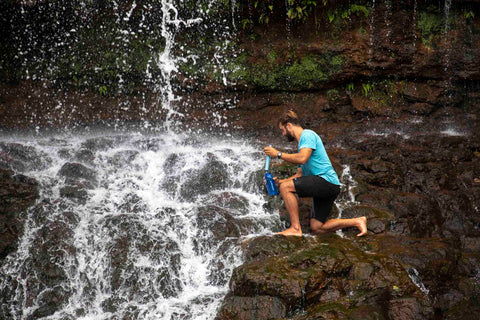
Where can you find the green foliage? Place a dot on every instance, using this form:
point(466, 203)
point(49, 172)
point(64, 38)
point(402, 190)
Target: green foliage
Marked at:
point(330, 15)
point(342, 14)
point(350, 87)
point(303, 74)
point(300, 74)
point(357, 9)
point(296, 10)
point(103, 90)
point(271, 57)
point(367, 87)
point(469, 15)
point(386, 92)
point(333, 94)
point(429, 24)
point(89, 46)
point(245, 23)
point(300, 9)
point(432, 23)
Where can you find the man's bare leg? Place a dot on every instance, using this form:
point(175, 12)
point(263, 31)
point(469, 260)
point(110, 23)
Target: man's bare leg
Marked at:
point(287, 190)
point(333, 225)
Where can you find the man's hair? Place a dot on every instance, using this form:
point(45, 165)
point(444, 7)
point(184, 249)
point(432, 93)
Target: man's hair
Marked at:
point(289, 117)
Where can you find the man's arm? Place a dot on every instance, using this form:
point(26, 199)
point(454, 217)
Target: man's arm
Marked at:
point(296, 158)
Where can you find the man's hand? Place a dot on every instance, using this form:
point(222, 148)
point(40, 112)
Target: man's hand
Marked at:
point(277, 181)
point(270, 151)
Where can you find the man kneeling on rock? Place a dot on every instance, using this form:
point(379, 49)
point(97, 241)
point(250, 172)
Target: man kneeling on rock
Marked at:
point(315, 178)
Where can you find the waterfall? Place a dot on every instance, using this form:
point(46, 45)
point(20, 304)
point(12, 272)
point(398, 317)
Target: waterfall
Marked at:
point(371, 23)
point(448, 4)
point(346, 198)
point(135, 225)
point(129, 224)
point(144, 49)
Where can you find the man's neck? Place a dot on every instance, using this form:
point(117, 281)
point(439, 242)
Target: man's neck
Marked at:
point(297, 133)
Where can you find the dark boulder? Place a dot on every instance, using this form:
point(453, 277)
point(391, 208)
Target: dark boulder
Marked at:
point(316, 276)
point(78, 174)
point(22, 158)
point(212, 176)
point(247, 308)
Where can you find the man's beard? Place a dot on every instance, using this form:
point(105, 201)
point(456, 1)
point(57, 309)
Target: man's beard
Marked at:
point(289, 137)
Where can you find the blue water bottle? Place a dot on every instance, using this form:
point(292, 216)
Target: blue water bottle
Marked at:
point(271, 186)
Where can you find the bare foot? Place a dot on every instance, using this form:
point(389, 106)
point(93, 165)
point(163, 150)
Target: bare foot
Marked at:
point(291, 232)
point(362, 226)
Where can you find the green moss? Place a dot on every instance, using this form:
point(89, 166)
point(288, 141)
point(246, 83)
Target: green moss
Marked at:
point(386, 93)
point(303, 73)
point(332, 307)
point(431, 24)
point(333, 94)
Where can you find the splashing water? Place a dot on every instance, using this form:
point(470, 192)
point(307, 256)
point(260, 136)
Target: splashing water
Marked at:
point(346, 198)
point(453, 132)
point(133, 225)
point(417, 280)
point(143, 49)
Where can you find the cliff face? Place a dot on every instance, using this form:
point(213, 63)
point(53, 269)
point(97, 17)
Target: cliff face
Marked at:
point(394, 94)
point(392, 87)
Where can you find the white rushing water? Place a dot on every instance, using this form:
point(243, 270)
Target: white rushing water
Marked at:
point(154, 235)
point(346, 198)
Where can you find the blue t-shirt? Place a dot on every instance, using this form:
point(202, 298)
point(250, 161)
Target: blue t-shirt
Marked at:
point(318, 164)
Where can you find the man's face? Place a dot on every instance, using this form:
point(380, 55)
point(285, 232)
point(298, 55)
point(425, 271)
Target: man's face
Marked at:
point(286, 132)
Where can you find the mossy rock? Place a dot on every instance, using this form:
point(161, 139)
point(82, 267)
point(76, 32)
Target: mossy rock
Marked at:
point(328, 277)
point(367, 211)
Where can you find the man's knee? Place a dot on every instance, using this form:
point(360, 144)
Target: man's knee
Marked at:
point(283, 188)
point(316, 226)
point(287, 187)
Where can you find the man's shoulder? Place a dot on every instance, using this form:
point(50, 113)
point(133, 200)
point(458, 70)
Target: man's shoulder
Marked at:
point(307, 133)
point(309, 139)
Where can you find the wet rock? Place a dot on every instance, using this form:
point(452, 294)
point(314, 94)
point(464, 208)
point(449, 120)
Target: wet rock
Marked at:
point(230, 201)
point(376, 226)
point(221, 223)
point(421, 92)
point(76, 173)
point(262, 248)
point(17, 194)
point(213, 176)
point(22, 158)
point(73, 192)
point(127, 237)
point(98, 144)
point(172, 162)
point(49, 302)
point(132, 203)
point(48, 259)
point(124, 158)
point(421, 108)
point(313, 274)
point(85, 155)
point(246, 308)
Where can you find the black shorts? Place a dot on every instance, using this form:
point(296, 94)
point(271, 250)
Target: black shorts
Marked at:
point(323, 193)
